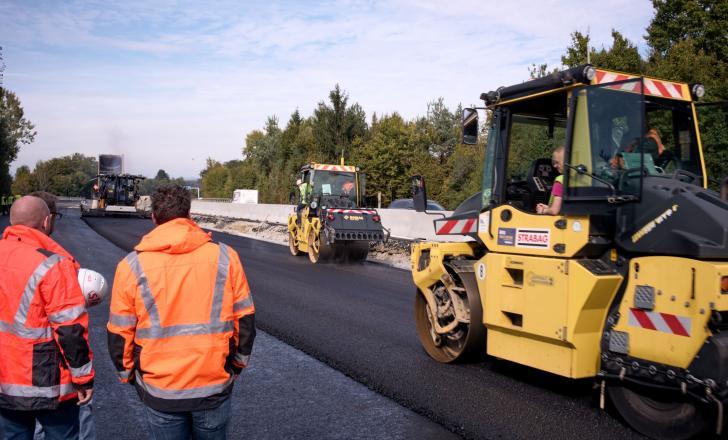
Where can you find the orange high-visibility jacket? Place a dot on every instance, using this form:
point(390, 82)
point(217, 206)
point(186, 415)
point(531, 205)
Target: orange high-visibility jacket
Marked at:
point(181, 325)
point(44, 349)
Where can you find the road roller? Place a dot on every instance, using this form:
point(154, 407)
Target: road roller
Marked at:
point(595, 248)
point(330, 222)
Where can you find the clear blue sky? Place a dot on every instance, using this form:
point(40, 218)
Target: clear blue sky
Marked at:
point(169, 84)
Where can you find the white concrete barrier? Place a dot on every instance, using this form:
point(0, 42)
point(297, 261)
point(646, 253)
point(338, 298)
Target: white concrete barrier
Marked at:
point(402, 223)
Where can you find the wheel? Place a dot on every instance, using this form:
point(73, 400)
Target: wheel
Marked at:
point(659, 416)
point(318, 250)
point(464, 340)
point(293, 244)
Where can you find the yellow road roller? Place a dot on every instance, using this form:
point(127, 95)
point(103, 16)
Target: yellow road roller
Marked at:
point(596, 249)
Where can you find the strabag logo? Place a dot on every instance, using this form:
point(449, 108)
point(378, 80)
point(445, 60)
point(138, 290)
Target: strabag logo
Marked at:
point(533, 238)
point(649, 227)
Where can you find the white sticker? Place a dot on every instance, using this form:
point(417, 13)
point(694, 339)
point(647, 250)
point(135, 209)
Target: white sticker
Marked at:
point(484, 222)
point(481, 271)
point(576, 226)
point(533, 238)
point(326, 189)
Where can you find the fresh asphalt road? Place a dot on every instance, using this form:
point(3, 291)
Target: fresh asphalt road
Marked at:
point(358, 319)
point(283, 394)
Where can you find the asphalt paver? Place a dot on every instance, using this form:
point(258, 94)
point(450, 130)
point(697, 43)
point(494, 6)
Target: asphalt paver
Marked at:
point(358, 318)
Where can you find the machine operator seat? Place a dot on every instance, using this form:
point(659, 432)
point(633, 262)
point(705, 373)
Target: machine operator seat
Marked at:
point(541, 175)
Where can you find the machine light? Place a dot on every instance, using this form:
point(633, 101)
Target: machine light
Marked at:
point(590, 72)
point(331, 216)
point(376, 218)
point(724, 285)
point(314, 205)
point(698, 91)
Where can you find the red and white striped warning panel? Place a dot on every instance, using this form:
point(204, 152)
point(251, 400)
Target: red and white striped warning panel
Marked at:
point(661, 322)
point(345, 168)
point(456, 227)
point(352, 211)
point(654, 87)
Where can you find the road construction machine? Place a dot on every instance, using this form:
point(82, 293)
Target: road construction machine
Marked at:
point(627, 283)
point(330, 222)
point(114, 193)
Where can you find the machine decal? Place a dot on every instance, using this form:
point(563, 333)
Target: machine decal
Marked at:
point(484, 222)
point(506, 236)
point(481, 271)
point(664, 89)
point(534, 278)
point(646, 229)
point(355, 218)
point(462, 226)
point(661, 322)
point(533, 238)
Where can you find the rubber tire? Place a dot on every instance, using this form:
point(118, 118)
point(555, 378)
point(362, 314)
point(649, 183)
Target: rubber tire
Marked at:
point(474, 340)
point(293, 245)
point(669, 421)
point(324, 252)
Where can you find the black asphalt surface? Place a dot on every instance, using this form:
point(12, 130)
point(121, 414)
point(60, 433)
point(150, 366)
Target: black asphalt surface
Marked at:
point(358, 319)
point(283, 394)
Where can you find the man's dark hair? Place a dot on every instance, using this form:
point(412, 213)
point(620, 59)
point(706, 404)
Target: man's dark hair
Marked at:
point(170, 202)
point(48, 198)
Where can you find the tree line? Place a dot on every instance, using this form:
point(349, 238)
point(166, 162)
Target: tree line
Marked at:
point(74, 176)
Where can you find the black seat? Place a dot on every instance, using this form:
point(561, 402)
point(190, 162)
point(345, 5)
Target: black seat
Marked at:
point(541, 175)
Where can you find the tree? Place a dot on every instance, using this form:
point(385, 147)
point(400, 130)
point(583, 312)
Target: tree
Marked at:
point(15, 130)
point(161, 175)
point(622, 54)
point(336, 126)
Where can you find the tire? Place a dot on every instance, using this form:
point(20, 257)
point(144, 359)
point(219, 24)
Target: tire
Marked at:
point(318, 250)
point(293, 244)
point(661, 417)
point(472, 340)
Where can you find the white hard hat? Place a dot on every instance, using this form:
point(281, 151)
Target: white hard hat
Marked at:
point(93, 286)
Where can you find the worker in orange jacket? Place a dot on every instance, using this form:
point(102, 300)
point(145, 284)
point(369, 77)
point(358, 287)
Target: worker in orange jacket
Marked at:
point(46, 367)
point(181, 325)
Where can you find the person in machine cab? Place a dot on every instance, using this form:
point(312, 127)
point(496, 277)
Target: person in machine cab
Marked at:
point(557, 190)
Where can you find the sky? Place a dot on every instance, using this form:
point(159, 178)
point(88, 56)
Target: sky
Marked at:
point(171, 83)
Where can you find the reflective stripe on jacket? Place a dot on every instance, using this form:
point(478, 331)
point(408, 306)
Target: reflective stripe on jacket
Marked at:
point(182, 318)
point(43, 323)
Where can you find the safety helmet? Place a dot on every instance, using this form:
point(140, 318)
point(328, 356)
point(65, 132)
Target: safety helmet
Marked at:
point(93, 286)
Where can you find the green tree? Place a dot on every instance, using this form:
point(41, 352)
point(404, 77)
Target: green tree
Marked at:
point(336, 126)
point(621, 55)
point(161, 175)
point(15, 130)
point(23, 182)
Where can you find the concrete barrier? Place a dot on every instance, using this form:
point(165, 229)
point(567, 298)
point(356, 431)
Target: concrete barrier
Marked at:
point(402, 223)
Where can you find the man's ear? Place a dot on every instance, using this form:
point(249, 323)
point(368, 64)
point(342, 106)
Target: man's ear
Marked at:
point(154, 219)
point(48, 225)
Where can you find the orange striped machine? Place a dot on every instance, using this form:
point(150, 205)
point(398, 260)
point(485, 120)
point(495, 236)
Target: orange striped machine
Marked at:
point(627, 284)
point(331, 222)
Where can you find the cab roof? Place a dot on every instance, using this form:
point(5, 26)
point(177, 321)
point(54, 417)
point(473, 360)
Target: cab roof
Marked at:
point(327, 167)
point(580, 76)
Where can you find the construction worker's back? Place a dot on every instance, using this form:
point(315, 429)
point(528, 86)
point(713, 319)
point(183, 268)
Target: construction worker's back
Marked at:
point(181, 323)
point(43, 323)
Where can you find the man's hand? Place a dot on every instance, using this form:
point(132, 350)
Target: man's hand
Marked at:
point(541, 208)
point(84, 396)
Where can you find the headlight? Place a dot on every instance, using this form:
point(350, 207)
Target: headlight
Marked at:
point(698, 91)
point(590, 72)
point(314, 205)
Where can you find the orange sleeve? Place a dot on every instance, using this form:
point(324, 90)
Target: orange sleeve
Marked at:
point(65, 307)
point(243, 312)
point(121, 327)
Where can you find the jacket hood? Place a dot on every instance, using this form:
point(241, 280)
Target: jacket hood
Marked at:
point(37, 239)
point(177, 236)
